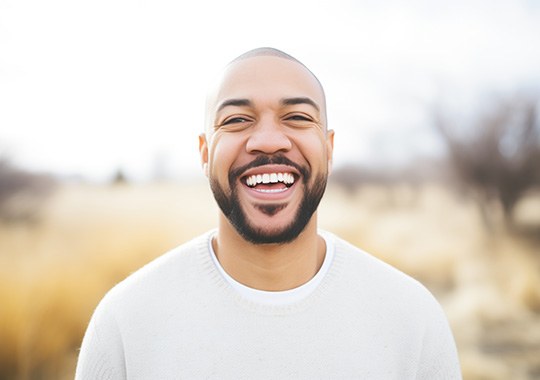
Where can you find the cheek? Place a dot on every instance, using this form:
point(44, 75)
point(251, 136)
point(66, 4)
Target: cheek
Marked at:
point(222, 153)
point(314, 148)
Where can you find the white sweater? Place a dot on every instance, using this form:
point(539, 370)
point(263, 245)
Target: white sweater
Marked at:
point(178, 318)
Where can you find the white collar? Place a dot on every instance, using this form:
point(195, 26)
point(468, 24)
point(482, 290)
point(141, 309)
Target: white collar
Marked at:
point(285, 297)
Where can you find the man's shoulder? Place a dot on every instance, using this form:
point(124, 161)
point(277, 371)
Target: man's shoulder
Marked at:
point(371, 275)
point(172, 270)
point(176, 260)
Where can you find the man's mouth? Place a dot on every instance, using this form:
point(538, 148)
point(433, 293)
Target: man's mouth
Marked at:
point(257, 179)
point(269, 178)
point(270, 182)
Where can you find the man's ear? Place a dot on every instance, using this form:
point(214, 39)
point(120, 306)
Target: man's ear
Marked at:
point(330, 148)
point(203, 151)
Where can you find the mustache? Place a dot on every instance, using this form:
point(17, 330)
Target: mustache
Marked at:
point(262, 160)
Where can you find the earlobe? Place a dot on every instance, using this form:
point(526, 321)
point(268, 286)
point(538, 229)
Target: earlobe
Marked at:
point(203, 151)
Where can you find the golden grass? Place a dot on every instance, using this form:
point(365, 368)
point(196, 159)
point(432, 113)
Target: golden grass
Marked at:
point(52, 274)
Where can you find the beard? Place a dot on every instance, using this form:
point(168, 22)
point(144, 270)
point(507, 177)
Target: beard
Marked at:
point(231, 208)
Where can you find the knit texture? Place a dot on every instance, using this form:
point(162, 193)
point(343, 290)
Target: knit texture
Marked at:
point(177, 318)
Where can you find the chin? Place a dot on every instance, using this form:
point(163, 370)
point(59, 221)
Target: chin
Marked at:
point(265, 236)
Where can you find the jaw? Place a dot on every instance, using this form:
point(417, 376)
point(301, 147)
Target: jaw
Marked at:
point(268, 213)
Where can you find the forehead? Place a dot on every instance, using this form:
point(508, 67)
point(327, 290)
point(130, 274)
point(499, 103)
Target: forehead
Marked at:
point(267, 78)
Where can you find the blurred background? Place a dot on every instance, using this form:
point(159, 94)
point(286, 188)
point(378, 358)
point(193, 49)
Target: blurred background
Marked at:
point(437, 154)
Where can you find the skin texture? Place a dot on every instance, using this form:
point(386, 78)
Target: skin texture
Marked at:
point(267, 115)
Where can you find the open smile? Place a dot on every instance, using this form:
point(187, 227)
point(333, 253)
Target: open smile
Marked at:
point(270, 182)
point(270, 179)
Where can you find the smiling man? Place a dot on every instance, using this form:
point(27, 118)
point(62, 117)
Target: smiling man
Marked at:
point(267, 295)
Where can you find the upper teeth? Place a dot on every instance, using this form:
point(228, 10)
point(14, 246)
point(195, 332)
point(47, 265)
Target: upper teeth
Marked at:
point(256, 179)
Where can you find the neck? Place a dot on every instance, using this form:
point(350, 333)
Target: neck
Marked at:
point(270, 267)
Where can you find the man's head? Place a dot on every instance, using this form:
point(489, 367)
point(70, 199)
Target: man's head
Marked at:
point(267, 150)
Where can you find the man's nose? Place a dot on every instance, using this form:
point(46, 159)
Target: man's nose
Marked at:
point(268, 137)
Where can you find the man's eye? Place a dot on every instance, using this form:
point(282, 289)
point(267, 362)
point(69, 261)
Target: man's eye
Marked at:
point(235, 120)
point(298, 118)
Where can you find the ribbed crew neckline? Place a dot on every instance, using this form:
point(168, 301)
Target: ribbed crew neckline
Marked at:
point(210, 268)
point(279, 298)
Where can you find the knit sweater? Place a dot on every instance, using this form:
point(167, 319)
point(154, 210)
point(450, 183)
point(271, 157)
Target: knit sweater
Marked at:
point(178, 318)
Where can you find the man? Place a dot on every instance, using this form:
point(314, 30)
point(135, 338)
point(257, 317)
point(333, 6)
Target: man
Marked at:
point(267, 295)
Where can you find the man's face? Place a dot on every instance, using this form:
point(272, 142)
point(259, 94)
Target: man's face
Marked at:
point(267, 151)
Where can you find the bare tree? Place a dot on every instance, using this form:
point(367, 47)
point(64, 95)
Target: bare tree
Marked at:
point(21, 192)
point(497, 158)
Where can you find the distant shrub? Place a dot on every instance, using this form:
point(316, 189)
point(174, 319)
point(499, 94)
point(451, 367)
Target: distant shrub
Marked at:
point(21, 193)
point(496, 159)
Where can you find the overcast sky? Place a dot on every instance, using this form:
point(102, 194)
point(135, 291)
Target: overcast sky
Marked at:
point(87, 87)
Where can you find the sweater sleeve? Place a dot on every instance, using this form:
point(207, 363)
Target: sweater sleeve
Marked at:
point(439, 357)
point(102, 355)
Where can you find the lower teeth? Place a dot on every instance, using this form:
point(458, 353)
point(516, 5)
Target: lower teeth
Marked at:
point(271, 190)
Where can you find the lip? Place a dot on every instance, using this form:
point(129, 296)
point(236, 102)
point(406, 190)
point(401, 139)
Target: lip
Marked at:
point(270, 196)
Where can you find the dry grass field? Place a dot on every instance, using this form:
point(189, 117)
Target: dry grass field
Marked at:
point(53, 272)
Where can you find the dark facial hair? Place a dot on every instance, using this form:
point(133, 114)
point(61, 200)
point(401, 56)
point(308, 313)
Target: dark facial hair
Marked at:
point(231, 208)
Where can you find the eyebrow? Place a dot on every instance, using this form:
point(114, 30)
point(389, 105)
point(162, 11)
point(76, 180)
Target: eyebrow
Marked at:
point(285, 102)
point(300, 100)
point(235, 102)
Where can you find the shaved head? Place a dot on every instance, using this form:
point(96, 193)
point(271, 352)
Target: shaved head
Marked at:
point(265, 51)
point(255, 53)
point(272, 52)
